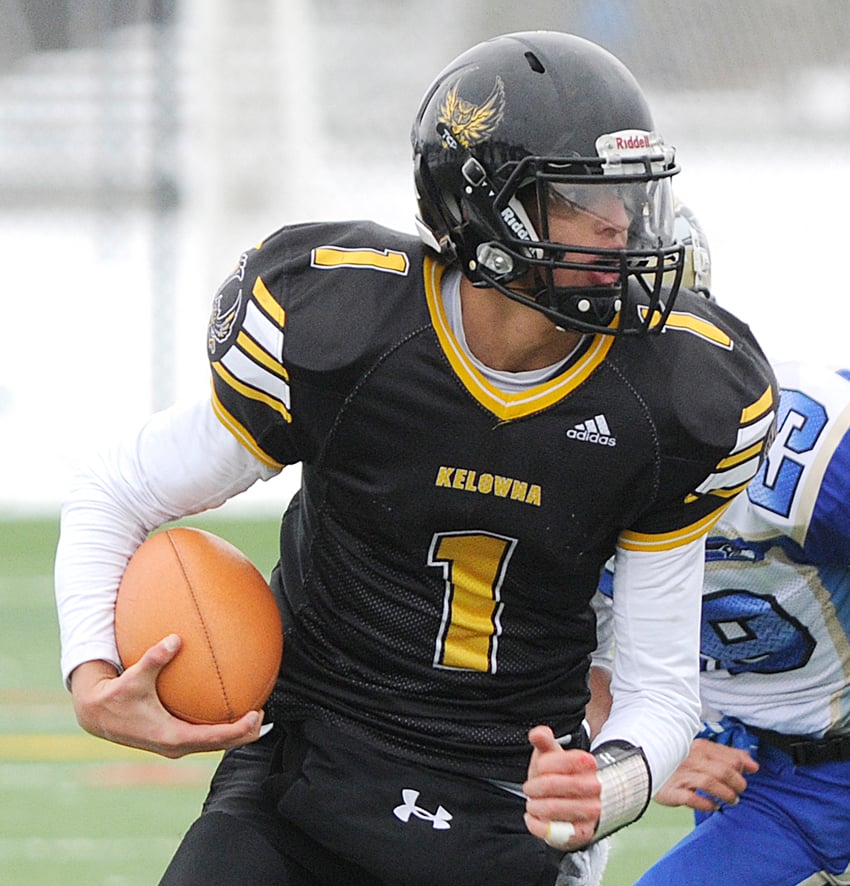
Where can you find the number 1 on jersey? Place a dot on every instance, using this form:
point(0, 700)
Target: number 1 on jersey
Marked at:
point(473, 565)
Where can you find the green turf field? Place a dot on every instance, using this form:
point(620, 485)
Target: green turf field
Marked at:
point(78, 811)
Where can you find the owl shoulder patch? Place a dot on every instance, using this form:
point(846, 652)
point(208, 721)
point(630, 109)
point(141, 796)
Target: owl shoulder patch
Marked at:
point(226, 308)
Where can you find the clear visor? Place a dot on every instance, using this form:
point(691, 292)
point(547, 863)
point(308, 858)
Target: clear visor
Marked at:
point(644, 207)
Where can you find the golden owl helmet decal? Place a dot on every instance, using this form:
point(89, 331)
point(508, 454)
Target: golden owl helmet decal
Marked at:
point(463, 123)
point(522, 123)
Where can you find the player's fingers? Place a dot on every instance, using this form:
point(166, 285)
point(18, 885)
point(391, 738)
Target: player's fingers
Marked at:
point(575, 780)
point(569, 793)
point(722, 781)
point(748, 764)
point(685, 789)
point(158, 656)
point(671, 795)
point(710, 755)
point(580, 804)
point(567, 772)
point(548, 756)
point(737, 760)
point(535, 826)
point(562, 835)
point(543, 739)
point(700, 802)
point(726, 791)
point(245, 730)
point(559, 834)
point(181, 738)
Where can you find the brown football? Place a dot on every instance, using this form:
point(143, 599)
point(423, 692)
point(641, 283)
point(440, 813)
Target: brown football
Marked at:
point(191, 582)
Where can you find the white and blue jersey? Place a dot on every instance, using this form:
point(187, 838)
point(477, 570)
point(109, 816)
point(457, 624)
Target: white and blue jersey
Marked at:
point(775, 653)
point(775, 647)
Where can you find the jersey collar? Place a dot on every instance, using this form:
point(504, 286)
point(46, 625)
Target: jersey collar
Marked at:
point(505, 406)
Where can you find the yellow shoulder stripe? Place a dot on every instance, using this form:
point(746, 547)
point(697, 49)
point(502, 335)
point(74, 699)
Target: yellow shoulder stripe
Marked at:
point(260, 355)
point(757, 409)
point(738, 457)
point(241, 434)
point(266, 301)
point(667, 541)
point(251, 393)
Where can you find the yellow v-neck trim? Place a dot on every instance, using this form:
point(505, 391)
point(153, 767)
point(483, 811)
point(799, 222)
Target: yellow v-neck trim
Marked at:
point(505, 407)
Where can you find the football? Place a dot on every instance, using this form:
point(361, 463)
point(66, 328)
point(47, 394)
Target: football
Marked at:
point(195, 584)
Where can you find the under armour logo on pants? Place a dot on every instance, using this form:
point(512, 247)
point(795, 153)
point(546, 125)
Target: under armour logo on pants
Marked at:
point(439, 819)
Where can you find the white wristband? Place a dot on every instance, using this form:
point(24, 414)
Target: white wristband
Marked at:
point(623, 774)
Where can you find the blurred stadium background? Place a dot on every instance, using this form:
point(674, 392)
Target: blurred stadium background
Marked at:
point(145, 143)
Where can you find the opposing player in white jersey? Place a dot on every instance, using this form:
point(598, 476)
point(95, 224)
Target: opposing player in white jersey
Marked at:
point(769, 775)
point(775, 652)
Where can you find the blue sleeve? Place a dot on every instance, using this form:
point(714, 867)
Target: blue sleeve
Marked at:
point(606, 580)
point(828, 538)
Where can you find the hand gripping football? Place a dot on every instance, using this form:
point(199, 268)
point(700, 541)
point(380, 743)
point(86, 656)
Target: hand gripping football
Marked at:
point(192, 583)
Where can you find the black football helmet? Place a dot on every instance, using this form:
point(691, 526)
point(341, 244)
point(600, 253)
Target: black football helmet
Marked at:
point(526, 121)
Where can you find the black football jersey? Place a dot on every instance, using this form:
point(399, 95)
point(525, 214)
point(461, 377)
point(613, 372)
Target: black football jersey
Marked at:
point(437, 564)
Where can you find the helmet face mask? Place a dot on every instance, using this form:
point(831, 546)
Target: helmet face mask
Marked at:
point(513, 213)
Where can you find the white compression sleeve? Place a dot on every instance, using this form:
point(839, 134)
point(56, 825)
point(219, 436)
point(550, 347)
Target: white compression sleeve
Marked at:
point(655, 684)
point(181, 462)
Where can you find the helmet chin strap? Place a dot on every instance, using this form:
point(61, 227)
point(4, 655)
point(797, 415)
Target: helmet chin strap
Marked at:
point(584, 304)
point(569, 320)
point(564, 314)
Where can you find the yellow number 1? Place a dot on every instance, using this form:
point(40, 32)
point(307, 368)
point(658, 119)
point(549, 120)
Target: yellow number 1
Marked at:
point(474, 565)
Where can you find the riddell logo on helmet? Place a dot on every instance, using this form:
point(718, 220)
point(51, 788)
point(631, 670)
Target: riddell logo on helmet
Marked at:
point(634, 140)
point(510, 218)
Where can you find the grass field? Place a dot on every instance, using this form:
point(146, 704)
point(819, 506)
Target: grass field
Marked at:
point(78, 811)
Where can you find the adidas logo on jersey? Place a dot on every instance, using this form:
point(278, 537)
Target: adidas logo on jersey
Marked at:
point(594, 430)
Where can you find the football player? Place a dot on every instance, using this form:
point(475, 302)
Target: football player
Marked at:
point(483, 415)
point(769, 774)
